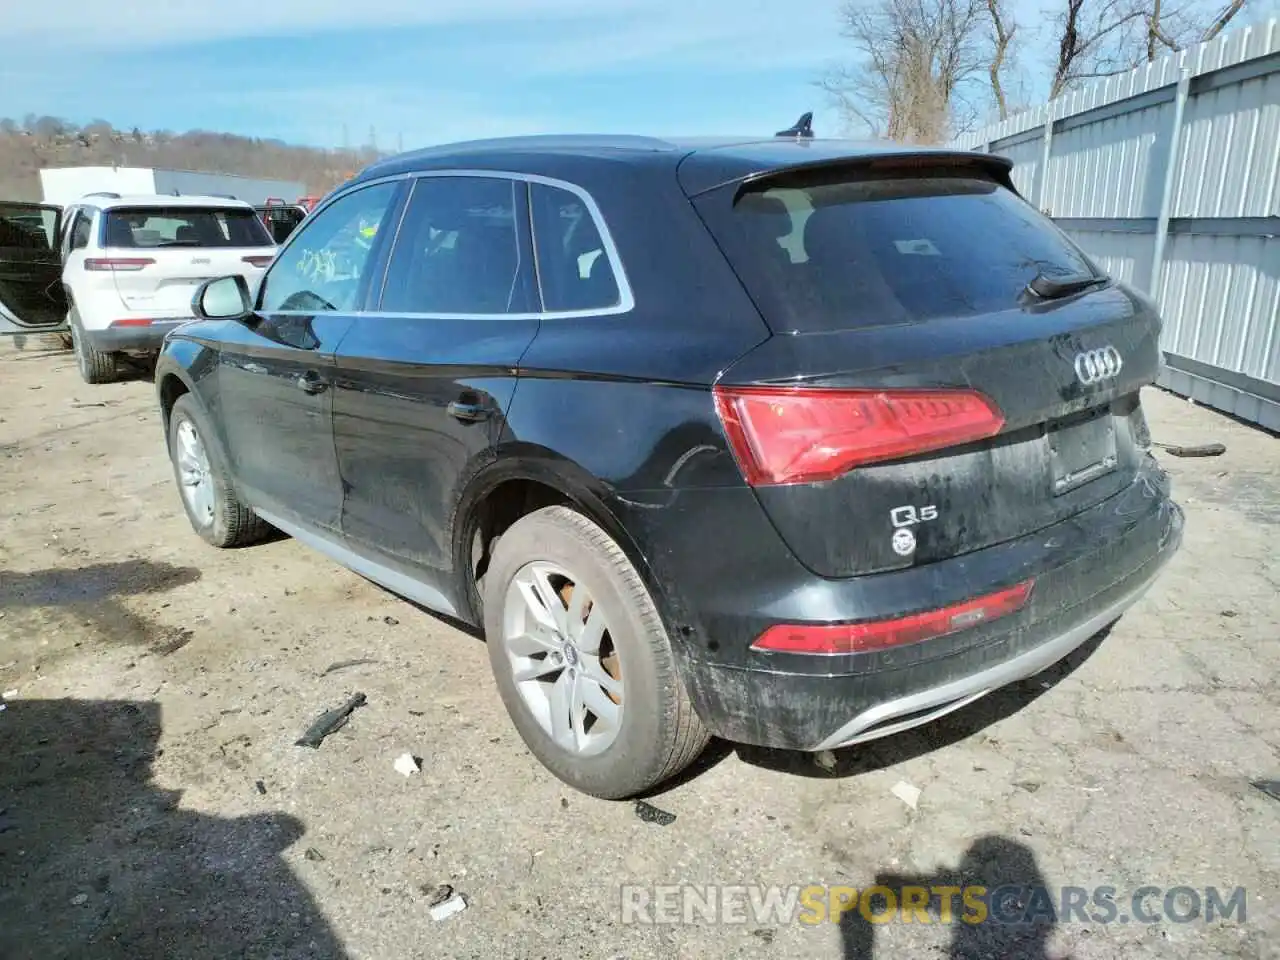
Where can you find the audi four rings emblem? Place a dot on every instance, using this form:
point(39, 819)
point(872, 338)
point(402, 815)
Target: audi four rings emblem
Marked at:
point(1094, 366)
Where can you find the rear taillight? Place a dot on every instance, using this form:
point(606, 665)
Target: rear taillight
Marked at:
point(114, 264)
point(809, 434)
point(259, 262)
point(132, 322)
point(837, 638)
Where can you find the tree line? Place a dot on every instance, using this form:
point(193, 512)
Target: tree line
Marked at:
point(35, 142)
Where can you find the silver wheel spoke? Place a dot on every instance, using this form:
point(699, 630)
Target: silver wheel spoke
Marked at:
point(561, 703)
point(536, 638)
point(592, 632)
point(596, 672)
point(551, 601)
point(593, 698)
point(536, 669)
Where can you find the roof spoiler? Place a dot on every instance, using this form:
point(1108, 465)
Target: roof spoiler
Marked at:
point(992, 164)
point(802, 130)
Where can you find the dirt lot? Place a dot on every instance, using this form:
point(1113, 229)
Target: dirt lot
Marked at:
point(153, 804)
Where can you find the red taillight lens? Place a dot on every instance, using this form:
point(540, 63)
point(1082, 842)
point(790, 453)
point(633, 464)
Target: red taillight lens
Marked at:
point(117, 263)
point(132, 322)
point(259, 262)
point(809, 434)
point(836, 638)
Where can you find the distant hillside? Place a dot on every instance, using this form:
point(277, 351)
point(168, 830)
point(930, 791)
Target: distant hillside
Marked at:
point(36, 142)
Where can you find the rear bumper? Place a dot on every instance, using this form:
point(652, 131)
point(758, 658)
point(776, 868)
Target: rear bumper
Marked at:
point(148, 338)
point(1087, 572)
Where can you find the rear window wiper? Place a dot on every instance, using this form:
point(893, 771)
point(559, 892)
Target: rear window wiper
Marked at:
point(1054, 287)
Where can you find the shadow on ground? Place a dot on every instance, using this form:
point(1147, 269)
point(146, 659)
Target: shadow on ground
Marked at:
point(1014, 907)
point(92, 594)
point(98, 862)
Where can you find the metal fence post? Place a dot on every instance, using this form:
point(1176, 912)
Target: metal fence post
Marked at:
point(1042, 186)
point(1170, 171)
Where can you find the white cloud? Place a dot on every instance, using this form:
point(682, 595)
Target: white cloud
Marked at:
point(418, 117)
point(590, 34)
point(127, 23)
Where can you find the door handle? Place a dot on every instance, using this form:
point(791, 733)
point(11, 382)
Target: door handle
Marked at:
point(310, 382)
point(467, 412)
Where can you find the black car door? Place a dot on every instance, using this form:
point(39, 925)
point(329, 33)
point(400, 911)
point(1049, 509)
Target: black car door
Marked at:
point(423, 383)
point(32, 298)
point(275, 369)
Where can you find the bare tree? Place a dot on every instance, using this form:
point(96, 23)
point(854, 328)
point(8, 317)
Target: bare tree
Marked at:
point(914, 60)
point(1100, 38)
point(1004, 29)
point(1234, 7)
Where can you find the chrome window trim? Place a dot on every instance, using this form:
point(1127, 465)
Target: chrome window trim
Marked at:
point(626, 298)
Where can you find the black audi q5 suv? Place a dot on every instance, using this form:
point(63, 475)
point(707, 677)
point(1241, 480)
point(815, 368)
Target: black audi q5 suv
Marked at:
point(790, 441)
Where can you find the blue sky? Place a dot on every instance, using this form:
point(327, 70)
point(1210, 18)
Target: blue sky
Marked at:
point(424, 70)
point(430, 71)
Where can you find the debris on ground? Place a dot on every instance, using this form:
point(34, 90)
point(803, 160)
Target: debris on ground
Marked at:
point(651, 814)
point(10, 694)
point(907, 793)
point(345, 665)
point(391, 621)
point(445, 903)
point(1192, 450)
point(329, 722)
point(80, 899)
point(314, 855)
point(261, 787)
point(408, 764)
point(826, 760)
point(1031, 786)
point(1270, 787)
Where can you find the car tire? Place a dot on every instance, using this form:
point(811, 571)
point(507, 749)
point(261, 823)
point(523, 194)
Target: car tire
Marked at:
point(215, 512)
point(95, 366)
point(657, 733)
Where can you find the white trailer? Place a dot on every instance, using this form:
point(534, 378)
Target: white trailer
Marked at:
point(65, 185)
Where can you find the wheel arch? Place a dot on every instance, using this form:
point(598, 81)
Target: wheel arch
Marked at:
point(520, 481)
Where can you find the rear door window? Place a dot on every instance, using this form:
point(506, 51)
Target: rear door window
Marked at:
point(458, 250)
point(154, 227)
point(574, 270)
point(839, 253)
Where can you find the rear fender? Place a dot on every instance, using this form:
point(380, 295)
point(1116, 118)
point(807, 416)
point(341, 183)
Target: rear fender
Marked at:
point(586, 493)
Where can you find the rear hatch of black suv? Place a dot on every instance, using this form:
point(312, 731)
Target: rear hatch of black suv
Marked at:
point(948, 370)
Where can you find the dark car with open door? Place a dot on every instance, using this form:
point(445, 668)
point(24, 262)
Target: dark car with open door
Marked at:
point(32, 298)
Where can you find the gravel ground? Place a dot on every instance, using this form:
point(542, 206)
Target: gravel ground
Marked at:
point(153, 804)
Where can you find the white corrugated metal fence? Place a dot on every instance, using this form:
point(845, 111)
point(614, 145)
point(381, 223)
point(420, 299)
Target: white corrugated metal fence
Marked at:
point(1169, 177)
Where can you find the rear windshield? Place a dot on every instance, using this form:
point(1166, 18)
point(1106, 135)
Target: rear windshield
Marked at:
point(846, 253)
point(144, 227)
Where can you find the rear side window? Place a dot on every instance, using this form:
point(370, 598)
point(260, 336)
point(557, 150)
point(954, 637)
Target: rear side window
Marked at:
point(150, 227)
point(81, 230)
point(573, 268)
point(457, 250)
point(842, 253)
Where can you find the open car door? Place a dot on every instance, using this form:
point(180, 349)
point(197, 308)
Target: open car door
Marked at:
point(32, 298)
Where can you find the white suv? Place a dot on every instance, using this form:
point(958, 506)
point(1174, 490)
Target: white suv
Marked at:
point(130, 266)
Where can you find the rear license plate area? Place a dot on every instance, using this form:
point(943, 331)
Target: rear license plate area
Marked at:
point(1081, 449)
